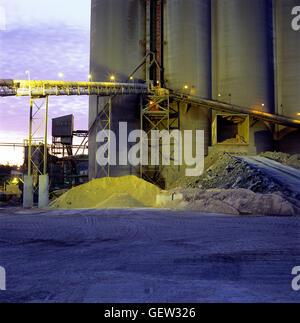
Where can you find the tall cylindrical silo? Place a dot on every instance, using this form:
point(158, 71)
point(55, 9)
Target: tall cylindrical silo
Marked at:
point(118, 30)
point(287, 58)
point(187, 57)
point(187, 51)
point(287, 49)
point(243, 53)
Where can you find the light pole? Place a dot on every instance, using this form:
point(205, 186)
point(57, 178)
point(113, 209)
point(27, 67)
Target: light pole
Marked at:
point(29, 79)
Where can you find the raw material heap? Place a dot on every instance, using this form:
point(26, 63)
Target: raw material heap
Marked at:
point(123, 192)
point(231, 186)
point(286, 159)
point(223, 171)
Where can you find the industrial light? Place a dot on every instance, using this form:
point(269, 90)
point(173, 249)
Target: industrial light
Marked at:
point(62, 76)
point(219, 95)
point(186, 87)
point(112, 78)
point(90, 77)
point(298, 114)
point(263, 105)
point(131, 78)
point(28, 74)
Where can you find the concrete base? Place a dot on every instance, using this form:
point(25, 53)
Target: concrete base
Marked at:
point(43, 191)
point(28, 192)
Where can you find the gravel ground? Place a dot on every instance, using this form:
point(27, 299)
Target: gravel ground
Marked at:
point(147, 256)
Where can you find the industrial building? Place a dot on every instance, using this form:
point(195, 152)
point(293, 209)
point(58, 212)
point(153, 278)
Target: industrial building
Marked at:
point(241, 53)
point(226, 67)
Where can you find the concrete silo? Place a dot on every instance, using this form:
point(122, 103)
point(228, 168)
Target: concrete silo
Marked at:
point(187, 57)
point(243, 61)
point(287, 50)
point(118, 30)
point(187, 51)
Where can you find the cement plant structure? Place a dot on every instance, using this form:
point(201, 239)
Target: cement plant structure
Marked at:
point(228, 67)
point(240, 53)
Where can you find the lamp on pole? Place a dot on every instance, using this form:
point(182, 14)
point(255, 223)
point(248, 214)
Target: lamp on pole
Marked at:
point(29, 79)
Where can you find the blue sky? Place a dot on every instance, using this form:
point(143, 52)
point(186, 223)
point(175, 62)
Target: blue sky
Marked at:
point(45, 37)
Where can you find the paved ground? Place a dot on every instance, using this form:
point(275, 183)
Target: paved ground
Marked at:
point(147, 256)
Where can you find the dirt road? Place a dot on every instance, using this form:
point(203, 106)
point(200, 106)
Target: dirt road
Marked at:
point(147, 256)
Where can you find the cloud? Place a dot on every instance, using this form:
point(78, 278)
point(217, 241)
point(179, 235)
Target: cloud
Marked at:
point(36, 12)
point(45, 52)
point(44, 37)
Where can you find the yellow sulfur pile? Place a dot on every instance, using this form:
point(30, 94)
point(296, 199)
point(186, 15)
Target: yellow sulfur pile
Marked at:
point(121, 192)
point(120, 201)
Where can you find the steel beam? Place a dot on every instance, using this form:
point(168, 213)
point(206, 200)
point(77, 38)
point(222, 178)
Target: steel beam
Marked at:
point(60, 88)
point(104, 124)
point(38, 146)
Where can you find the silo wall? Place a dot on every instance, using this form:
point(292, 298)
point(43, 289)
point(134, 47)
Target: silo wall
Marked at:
point(118, 29)
point(287, 68)
point(187, 57)
point(243, 60)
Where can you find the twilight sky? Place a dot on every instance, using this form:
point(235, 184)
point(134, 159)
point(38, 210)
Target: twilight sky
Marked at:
point(45, 37)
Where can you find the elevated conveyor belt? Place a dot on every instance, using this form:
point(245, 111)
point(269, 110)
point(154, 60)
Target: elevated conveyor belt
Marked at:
point(37, 88)
point(222, 106)
point(60, 88)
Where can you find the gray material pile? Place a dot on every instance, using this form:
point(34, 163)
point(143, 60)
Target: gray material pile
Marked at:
point(224, 171)
point(233, 202)
point(286, 159)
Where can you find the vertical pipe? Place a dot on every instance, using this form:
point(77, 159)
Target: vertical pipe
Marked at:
point(30, 137)
point(148, 39)
point(142, 141)
point(46, 136)
point(158, 30)
point(96, 132)
point(109, 135)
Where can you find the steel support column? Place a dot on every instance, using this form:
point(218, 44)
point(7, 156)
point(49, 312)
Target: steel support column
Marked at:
point(37, 143)
point(38, 132)
point(155, 115)
point(104, 125)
